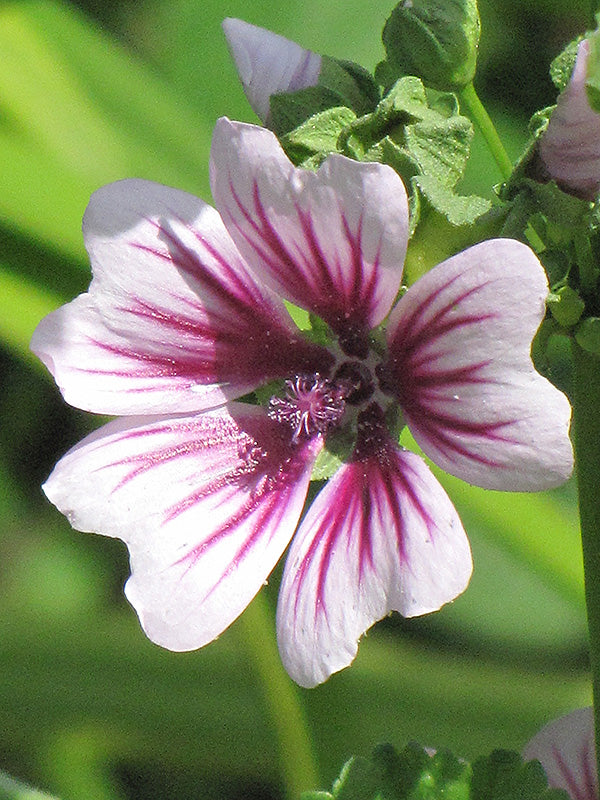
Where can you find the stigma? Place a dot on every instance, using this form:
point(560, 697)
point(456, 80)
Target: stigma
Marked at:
point(312, 405)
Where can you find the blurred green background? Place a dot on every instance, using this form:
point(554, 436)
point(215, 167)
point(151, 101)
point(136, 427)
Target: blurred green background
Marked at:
point(89, 709)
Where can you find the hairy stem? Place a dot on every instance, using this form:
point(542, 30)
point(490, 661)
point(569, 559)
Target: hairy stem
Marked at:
point(298, 767)
point(470, 101)
point(586, 436)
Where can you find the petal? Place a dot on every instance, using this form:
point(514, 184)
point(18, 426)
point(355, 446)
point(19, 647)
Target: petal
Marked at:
point(381, 536)
point(173, 320)
point(570, 146)
point(333, 242)
point(566, 750)
point(206, 504)
point(461, 369)
point(268, 63)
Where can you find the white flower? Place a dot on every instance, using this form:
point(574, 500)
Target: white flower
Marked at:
point(185, 316)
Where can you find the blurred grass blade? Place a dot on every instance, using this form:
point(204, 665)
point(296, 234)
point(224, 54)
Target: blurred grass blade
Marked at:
point(540, 529)
point(11, 789)
point(22, 306)
point(76, 111)
point(537, 529)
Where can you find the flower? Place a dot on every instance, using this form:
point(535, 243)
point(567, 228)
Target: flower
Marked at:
point(570, 146)
point(268, 63)
point(566, 749)
point(185, 317)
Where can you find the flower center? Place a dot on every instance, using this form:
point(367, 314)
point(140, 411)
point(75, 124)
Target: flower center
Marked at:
point(357, 378)
point(312, 405)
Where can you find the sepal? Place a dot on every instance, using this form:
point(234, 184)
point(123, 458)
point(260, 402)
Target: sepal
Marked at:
point(561, 67)
point(341, 86)
point(592, 82)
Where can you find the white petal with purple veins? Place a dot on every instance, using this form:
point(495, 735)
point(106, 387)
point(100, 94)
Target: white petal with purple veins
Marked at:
point(566, 749)
point(173, 319)
point(268, 63)
point(206, 504)
point(461, 368)
point(332, 242)
point(570, 146)
point(381, 536)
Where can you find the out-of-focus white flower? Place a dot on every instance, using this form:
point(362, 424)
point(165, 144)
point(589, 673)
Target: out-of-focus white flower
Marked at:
point(565, 748)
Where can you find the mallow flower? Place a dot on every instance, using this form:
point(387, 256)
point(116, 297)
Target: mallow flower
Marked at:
point(570, 146)
point(268, 63)
point(567, 751)
point(227, 408)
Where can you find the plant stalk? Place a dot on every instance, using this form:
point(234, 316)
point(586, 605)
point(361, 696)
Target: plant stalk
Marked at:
point(298, 765)
point(586, 437)
point(469, 99)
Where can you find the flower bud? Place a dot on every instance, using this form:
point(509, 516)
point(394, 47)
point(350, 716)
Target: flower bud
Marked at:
point(268, 63)
point(570, 146)
point(436, 40)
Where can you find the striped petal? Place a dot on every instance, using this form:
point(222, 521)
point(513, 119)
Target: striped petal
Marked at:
point(206, 504)
point(381, 536)
point(461, 369)
point(566, 750)
point(173, 320)
point(268, 63)
point(570, 146)
point(333, 242)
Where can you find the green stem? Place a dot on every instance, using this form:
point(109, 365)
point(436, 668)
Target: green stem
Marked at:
point(470, 100)
point(586, 436)
point(297, 760)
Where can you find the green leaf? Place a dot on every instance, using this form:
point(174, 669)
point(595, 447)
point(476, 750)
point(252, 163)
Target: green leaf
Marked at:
point(293, 110)
point(441, 148)
point(505, 776)
point(318, 136)
point(414, 132)
point(416, 774)
point(587, 335)
point(436, 40)
point(445, 223)
point(459, 210)
point(566, 306)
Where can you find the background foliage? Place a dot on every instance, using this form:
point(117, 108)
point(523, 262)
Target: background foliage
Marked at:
point(88, 707)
